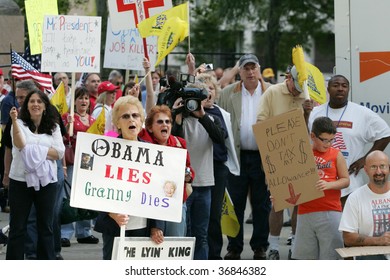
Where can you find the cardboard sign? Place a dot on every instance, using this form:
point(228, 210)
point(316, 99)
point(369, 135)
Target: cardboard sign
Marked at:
point(143, 248)
point(124, 49)
point(128, 177)
point(71, 44)
point(287, 159)
point(363, 251)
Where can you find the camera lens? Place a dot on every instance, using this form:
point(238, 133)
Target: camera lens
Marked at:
point(192, 105)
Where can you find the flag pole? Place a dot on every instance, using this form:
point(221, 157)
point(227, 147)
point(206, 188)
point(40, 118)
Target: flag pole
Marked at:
point(189, 29)
point(72, 103)
point(148, 73)
point(12, 78)
point(140, 17)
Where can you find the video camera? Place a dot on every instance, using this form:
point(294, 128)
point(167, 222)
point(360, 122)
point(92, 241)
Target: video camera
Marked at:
point(192, 97)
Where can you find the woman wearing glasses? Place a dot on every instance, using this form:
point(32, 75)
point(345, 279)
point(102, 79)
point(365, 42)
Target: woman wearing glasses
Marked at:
point(158, 130)
point(128, 117)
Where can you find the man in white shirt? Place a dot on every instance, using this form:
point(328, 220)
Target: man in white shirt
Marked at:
point(241, 100)
point(366, 216)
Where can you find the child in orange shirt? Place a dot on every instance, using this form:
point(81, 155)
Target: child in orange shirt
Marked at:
point(317, 234)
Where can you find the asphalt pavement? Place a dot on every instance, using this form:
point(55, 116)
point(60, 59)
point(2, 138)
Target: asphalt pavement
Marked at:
point(94, 251)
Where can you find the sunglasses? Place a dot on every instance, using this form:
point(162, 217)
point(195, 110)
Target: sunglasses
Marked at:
point(133, 115)
point(162, 121)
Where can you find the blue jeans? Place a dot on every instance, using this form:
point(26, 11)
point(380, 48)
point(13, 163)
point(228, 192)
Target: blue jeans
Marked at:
point(177, 229)
point(252, 179)
point(21, 199)
point(215, 239)
point(30, 245)
point(198, 216)
point(57, 208)
point(83, 228)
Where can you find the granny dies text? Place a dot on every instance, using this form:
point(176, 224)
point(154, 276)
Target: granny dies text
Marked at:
point(120, 173)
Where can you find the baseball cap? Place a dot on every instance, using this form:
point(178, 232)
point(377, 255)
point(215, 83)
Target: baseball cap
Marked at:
point(294, 76)
point(247, 58)
point(268, 73)
point(106, 86)
point(288, 70)
point(1, 72)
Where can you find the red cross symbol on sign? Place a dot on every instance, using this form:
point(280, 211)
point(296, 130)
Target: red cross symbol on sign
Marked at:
point(143, 7)
point(140, 9)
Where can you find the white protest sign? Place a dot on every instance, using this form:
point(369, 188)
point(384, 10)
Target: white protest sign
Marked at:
point(71, 44)
point(128, 177)
point(124, 12)
point(124, 49)
point(143, 248)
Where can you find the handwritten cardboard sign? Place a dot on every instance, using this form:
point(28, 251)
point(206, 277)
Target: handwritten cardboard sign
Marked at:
point(124, 49)
point(71, 44)
point(35, 11)
point(287, 159)
point(143, 248)
point(128, 177)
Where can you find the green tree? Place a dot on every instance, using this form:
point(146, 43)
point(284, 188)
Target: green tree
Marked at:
point(281, 24)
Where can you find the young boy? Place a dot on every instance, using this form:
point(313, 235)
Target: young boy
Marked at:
point(317, 234)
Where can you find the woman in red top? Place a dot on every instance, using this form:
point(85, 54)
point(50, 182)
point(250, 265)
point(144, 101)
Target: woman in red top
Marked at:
point(82, 120)
point(158, 125)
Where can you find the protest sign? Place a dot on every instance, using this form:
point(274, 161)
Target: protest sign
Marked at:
point(143, 248)
point(124, 49)
point(71, 44)
point(128, 177)
point(35, 12)
point(126, 14)
point(287, 159)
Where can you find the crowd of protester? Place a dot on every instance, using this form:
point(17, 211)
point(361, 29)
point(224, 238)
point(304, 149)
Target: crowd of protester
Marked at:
point(222, 153)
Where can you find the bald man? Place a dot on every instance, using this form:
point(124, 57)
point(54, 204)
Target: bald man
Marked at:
point(366, 216)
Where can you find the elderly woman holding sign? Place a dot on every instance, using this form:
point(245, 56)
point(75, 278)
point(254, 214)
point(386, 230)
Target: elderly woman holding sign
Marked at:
point(128, 117)
point(158, 130)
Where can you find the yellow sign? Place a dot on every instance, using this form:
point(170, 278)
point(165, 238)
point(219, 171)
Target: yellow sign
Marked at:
point(35, 11)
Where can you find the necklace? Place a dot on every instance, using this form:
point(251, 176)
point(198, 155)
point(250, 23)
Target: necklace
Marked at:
point(342, 114)
point(83, 118)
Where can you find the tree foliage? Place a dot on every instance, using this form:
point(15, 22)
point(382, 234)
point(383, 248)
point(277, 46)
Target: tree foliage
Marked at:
point(280, 25)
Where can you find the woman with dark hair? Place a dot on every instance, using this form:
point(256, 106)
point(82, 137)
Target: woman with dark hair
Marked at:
point(37, 144)
point(133, 89)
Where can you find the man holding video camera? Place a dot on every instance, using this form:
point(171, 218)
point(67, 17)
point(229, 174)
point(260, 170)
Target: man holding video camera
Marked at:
point(241, 100)
point(200, 130)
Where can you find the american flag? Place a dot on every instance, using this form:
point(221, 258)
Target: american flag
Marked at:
point(22, 70)
point(34, 60)
point(339, 141)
